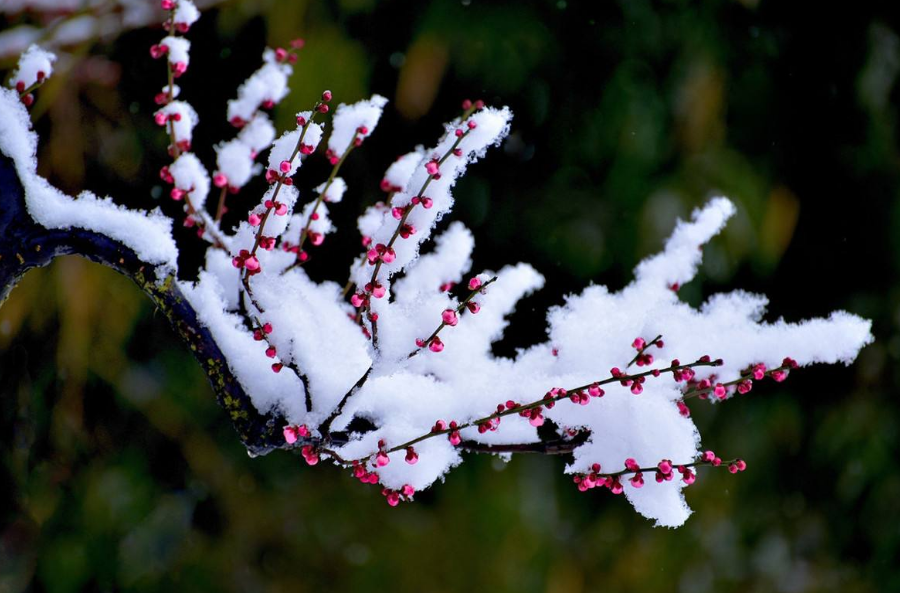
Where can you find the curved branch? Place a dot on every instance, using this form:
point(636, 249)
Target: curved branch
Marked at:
point(24, 245)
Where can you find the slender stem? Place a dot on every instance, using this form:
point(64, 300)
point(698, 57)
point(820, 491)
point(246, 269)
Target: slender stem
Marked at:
point(35, 85)
point(326, 426)
point(459, 310)
point(220, 209)
point(322, 194)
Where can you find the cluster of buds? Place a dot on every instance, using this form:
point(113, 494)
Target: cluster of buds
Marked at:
point(744, 384)
point(25, 91)
point(434, 344)
point(381, 459)
point(594, 479)
point(453, 435)
point(244, 260)
point(363, 475)
point(183, 15)
point(289, 55)
point(493, 423)
point(394, 497)
point(310, 454)
point(644, 358)
point(425, 201)
point(273, 176)
point(635, 383)
point(686, 374)
point(293, 433)
point(381, 253)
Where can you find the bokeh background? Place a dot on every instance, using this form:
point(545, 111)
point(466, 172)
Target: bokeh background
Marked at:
point(118, 471)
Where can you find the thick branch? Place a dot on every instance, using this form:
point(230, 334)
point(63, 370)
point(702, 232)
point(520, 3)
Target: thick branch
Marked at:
point(24, 245)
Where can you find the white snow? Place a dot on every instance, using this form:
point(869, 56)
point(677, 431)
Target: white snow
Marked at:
point(35, 63)
point(348, 119)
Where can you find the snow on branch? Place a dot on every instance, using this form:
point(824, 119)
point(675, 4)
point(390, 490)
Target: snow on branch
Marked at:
point(390, 373)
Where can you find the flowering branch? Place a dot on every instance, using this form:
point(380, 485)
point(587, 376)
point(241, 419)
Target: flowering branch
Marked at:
point(532, 410)
point(451, 317)
point(247, 259)
point(381, 253)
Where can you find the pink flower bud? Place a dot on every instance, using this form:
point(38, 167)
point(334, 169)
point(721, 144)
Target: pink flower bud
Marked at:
point(432, 168)
point(638, 343)
point(637, 480)
point(473, 307)
point(326, 96)
point(254, 219)
point(309, 454)
point(251, 263)
point(382, 459)
point(411, 456)
point(158, 51)
point(290, 435)
point(449, 317)
point(436, 345)
point(614, 485)
point(719, 391)
point(474, 283)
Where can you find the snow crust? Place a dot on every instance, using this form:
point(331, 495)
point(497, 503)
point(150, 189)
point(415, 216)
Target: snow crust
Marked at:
point(148, 234)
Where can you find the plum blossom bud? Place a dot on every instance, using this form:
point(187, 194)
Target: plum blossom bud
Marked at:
point(449, 317)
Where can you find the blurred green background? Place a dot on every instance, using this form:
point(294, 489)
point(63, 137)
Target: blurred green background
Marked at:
point(120, 473)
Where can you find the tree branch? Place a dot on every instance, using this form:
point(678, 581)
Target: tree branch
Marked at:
point(24, 245)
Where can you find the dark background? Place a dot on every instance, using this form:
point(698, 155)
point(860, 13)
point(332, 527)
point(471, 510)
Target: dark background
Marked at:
point(117, 470)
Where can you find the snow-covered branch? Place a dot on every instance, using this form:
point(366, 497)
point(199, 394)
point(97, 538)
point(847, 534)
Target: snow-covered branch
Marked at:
point(392, 374)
